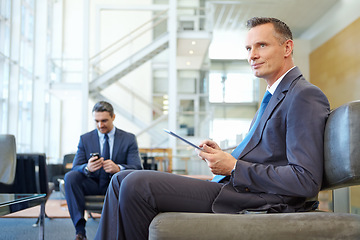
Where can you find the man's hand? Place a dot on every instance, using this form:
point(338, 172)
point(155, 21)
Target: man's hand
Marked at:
point(95, 163)
point(219, 162)
point(110, 167)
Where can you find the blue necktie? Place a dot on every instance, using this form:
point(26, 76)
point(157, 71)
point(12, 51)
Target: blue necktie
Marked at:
point(103, 176)
point(106, 148)
point(245, 141)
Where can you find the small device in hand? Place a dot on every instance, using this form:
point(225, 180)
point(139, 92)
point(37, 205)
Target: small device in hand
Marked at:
point(95, 155)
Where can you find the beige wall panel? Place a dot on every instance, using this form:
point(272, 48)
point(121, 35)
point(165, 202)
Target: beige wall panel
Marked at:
point(335, 66)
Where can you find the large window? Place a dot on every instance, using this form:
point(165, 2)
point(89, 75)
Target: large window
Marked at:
point(231, 88)
point(26, 76)
point(233, 96)
point(5, 14)
point(17, 33)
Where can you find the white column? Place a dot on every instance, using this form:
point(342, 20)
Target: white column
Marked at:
point(40, 81)
point(13, 117)
point(85, 78)
point(172, 29)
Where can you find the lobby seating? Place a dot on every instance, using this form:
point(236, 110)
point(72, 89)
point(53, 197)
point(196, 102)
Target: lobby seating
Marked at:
point(30, 177)
point(341, 169)
point(56, 172)
point(7, 159)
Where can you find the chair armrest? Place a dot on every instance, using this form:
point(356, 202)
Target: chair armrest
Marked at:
point(308, 225)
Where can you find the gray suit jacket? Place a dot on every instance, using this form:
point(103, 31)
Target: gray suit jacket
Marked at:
point(282, 164)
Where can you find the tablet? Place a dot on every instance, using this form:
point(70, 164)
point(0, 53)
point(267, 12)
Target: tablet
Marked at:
point(182, 139)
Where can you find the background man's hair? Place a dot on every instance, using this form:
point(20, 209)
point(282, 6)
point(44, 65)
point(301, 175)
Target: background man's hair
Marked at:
point(280, 27)
point(103, 106)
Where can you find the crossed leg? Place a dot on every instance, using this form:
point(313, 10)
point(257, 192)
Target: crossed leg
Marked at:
point(134, 198)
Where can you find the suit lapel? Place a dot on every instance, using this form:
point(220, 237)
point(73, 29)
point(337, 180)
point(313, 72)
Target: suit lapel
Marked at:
point(275, 100)
point(117, 141)
point(95, 142)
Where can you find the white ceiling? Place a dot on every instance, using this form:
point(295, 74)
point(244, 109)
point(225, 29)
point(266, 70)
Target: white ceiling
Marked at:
point(298, 14)
point(231, 16)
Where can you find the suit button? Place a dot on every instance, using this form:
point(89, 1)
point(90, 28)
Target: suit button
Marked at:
point(247, 190)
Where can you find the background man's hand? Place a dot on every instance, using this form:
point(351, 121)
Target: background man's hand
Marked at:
point(95, 163)
point(110, 167)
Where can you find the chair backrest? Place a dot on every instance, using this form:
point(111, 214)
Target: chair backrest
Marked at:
point(31, 175)
point(341, 147)
point(7, 158)
point(67, 162)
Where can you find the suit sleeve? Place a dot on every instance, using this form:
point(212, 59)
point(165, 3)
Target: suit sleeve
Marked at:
point(299, 135)
point(80, 159)
point(133, 160)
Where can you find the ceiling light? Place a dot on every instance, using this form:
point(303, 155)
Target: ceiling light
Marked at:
point(188, 63)
point(191, 52)
point(193, 42)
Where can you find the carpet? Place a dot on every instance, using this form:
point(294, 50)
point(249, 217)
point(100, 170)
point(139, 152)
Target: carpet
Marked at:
point(55, 229)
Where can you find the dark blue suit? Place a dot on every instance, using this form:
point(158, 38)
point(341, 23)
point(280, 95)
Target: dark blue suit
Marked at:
point(78, 184)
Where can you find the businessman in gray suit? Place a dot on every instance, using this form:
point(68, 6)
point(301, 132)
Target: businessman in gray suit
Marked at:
point(116, 150)
point(274, 169)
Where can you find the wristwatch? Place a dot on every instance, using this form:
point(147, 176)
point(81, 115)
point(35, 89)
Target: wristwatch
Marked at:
point(86, 171)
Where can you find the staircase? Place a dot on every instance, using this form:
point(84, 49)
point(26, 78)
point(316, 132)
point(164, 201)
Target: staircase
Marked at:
point(102, 79)
point(128, 65)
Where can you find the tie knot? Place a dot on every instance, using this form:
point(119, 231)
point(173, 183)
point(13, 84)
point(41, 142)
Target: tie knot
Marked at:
point(106, 137)
point(266, 97)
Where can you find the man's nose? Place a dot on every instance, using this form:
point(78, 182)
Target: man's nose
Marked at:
point(253, 54)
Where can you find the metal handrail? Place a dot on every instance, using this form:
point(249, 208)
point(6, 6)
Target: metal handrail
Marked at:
point(129, 34)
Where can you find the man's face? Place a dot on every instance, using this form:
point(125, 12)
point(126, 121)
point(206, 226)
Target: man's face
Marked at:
point(103, 121)
point(266, 55)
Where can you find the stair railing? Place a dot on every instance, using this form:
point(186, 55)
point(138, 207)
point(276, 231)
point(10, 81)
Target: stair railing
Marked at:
point(115, 47)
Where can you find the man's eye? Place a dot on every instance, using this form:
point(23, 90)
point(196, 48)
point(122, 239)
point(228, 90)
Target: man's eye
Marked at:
point(262, 45)
point(248, 49)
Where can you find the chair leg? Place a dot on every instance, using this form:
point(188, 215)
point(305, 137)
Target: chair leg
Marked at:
point(92, 217)
point(36, 224)
point(41, 221)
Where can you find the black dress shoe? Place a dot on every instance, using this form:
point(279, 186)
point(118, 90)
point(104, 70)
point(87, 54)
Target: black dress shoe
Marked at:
point(80, 236)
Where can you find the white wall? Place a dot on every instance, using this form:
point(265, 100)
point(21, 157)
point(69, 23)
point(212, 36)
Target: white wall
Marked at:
point(301, 56)
point(341, 15)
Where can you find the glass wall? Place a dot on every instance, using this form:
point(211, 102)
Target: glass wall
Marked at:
point(5, 31)
point(17, 36)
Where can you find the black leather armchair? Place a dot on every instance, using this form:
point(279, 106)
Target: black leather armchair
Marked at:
point(342, 169)
point(58, 171)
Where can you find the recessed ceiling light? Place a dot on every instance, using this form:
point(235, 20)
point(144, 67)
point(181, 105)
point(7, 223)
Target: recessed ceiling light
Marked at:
point(188, 63)
point(193, 42)
point(191, 52)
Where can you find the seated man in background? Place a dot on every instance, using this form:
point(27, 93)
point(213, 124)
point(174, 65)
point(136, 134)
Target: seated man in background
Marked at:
point(274, 169)
point(101, 153)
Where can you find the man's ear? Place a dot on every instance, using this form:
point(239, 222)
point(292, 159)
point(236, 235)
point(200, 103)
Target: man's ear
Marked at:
point(113, 117)
point(289, 46)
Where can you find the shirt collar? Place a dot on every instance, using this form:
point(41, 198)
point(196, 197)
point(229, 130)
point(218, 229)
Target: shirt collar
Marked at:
point(110, 134)
point(274, 86)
